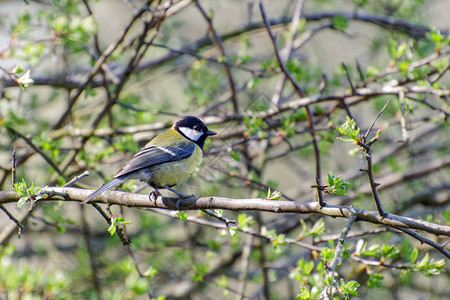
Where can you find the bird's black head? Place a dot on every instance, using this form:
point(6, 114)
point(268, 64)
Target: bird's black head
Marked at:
point(193, 129)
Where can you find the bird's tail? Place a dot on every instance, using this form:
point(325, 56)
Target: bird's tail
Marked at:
point(103, 188)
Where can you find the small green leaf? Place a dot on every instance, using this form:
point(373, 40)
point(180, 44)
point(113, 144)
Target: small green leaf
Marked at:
point(182, 215)
point(318, 228)
point(254, 82)
point(389, 251)
point(21, 201)
point(275, 195)
point(304, 294)
point(349, 130)
point(329, 278)
point(375, 280)
point(245, 222)
point(438, 38)
point(359, 247)
point(336, 185)
point(200, 270)
point(121, 220)
point(232, 231)
point(21, 187)
point(151, 272)
point(446, 215)
point(222, 282)
point(413, 256)
point(349, 288)
point(112, 227)
point(371, 251)
point(17, 70)
point(430, 267)
point(340, 22)
point(235, 155)
point(327, 253)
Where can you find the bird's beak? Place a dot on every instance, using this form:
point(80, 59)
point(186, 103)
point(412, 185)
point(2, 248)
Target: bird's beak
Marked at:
point(210, 132)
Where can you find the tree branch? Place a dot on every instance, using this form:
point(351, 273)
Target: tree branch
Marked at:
point(137, 200)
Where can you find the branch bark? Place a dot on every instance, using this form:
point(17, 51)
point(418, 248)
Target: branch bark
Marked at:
point(138, 200)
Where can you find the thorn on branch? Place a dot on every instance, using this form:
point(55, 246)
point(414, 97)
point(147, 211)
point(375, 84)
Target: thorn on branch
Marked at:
point(320, 189)
point(349, 79)
point(376, 118)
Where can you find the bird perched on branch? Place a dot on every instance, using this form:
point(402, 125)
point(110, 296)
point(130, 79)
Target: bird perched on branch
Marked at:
point(167, 160)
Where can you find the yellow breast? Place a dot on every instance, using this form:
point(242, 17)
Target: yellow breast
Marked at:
point(173, 173)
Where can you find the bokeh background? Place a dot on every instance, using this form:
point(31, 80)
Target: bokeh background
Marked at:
point(167, 66)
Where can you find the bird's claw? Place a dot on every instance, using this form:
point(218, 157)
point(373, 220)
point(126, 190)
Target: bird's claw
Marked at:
point(154, 194)
point(180, 196)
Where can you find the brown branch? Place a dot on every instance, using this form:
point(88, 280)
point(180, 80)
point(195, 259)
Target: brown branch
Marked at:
point(259, 246)
point(92, 261)
point(18, 223)
point(380, 20)
point(13, 167)
point(298, 7)
point(219, 44)
point(391, 180)
point(97, 66)
point(362, 95)
point(328, 290)
point(139, 51)
point(370, 175)
point(349, 79)
point(298, 90)
point(137, 200)
point(422, 239)
point(378, 263)
point(41, 153)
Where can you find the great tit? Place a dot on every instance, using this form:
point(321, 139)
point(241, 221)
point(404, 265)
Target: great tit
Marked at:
point(167, 160)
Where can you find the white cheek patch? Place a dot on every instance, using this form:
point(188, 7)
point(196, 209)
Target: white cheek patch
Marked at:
point(192, 134)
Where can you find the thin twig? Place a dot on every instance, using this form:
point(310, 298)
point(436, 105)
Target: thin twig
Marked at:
point(97, 66)
point(373, 184)
point(13, 168)
point(35, 148)
point(218, 42)
point(329, 290)
point(125, 241)
point(219, 217)
point(298, 7)
point(92, 261)
point(362, 79)
point(133, 257)
point(18, 223)
point(299, 92)
point(422, 239)
point(376, 118)
point(259, 246)
point(403, 124)
point(132, 63)
point(366, 146)
point(76, 178)
point(245, 260)
point(349, 79)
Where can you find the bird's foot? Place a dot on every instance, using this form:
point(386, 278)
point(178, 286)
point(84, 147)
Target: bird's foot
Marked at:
point(153, 196)
point(180, 196)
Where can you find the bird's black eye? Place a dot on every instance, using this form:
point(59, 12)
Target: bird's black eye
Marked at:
point(197, 127)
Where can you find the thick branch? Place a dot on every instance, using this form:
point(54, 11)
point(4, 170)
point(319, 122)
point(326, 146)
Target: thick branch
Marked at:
point(137, 200)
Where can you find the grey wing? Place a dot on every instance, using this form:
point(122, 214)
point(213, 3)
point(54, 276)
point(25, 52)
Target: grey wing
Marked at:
point(155, 155)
